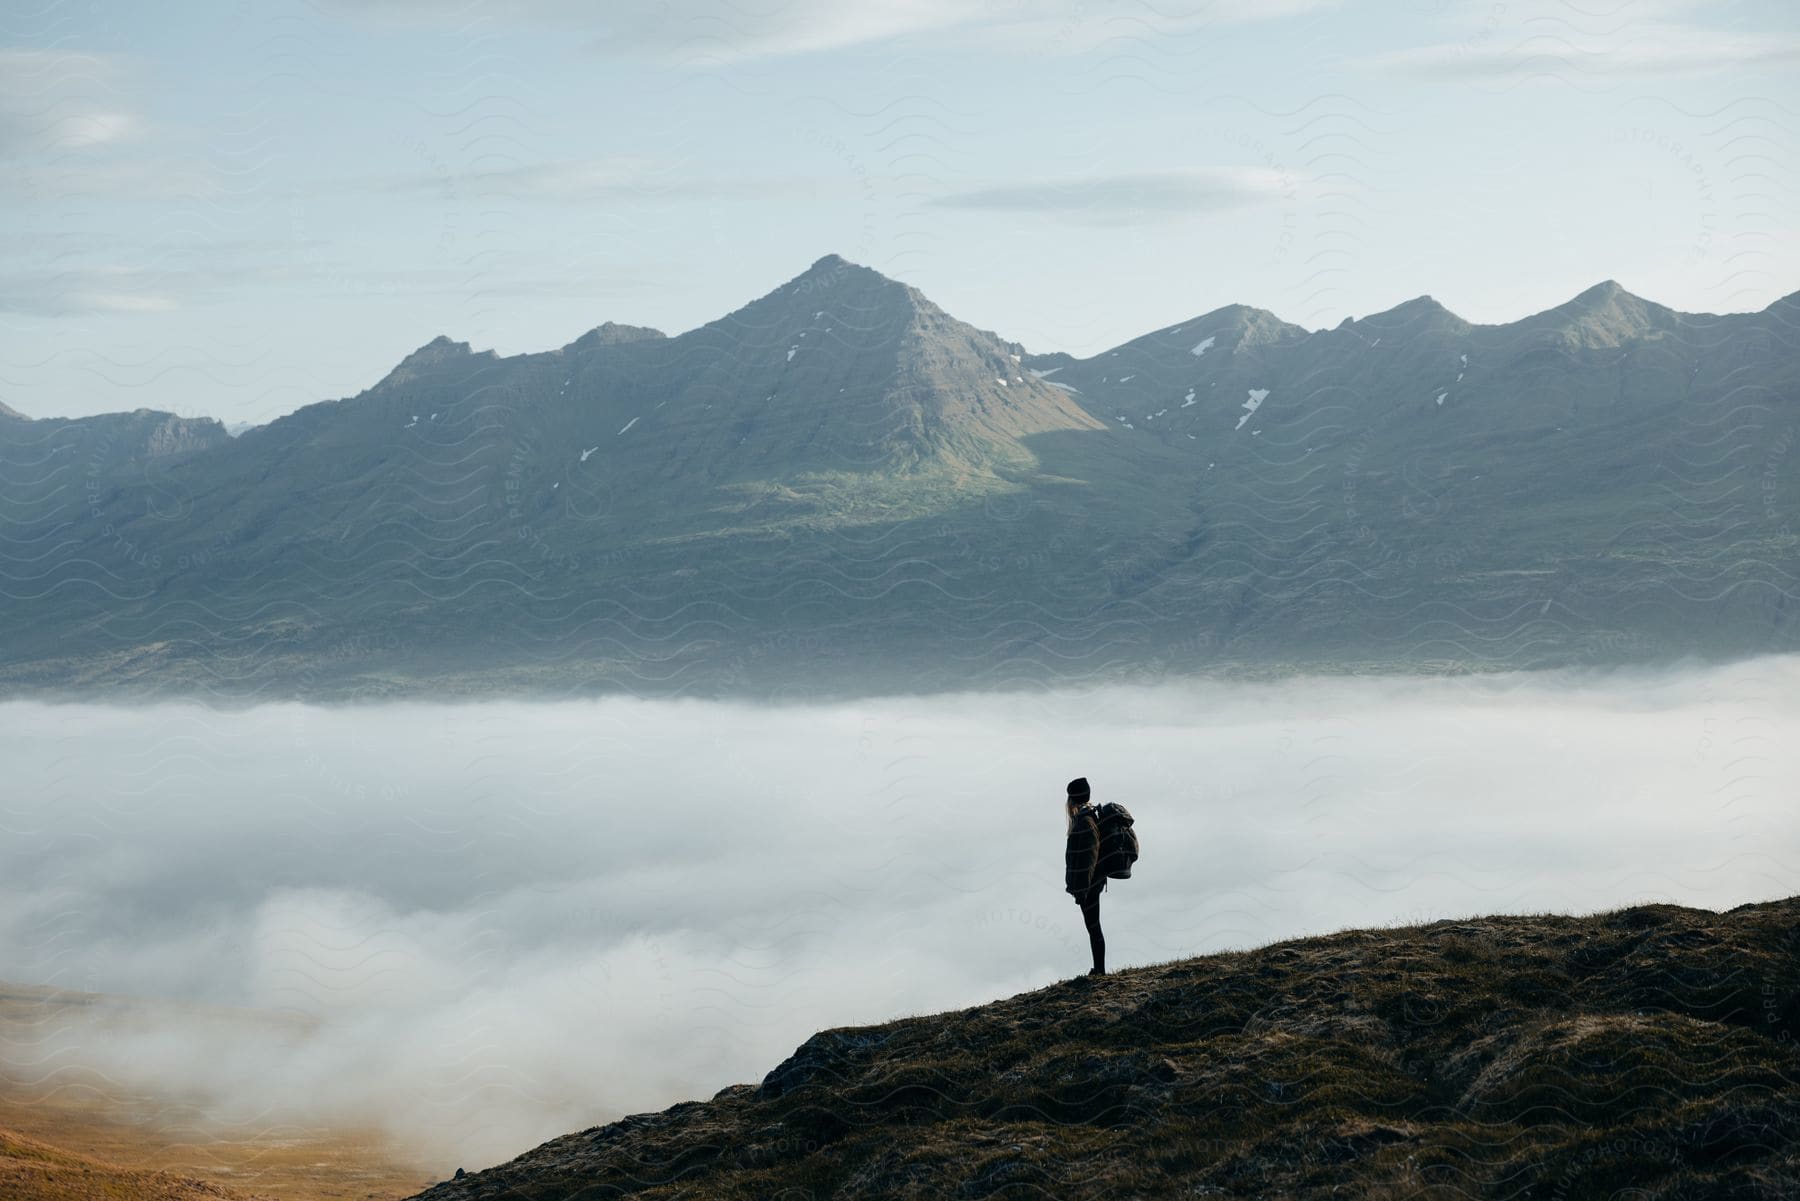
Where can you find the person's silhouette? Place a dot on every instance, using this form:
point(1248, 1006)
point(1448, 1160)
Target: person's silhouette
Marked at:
point(1081, 875)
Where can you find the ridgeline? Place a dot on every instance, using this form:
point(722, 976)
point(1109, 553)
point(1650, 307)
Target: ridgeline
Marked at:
point(840, 490)
point(1648, 1052)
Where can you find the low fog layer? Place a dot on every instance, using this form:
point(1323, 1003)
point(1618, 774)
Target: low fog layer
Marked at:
point(507, 921)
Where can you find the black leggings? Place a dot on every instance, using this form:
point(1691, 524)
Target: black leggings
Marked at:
point(1090, 914)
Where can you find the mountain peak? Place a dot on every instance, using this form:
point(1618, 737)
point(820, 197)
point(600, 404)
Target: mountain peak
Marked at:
point(612, 333)
point(851, 291)
point(436, 351)
point(1219, 332)
point(1425, 302)
point(7, 410)
point(440, 349)
point(1236, 314)
point(1254, 326)
point(1603, 292)
point(1603, 315)
point(844, 366)
point(833, 270)
point(1422, 311)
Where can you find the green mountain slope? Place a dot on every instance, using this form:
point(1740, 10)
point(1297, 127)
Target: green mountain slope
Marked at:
point(1647, 1052)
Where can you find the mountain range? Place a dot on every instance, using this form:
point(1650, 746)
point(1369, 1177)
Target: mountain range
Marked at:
point(840, 489)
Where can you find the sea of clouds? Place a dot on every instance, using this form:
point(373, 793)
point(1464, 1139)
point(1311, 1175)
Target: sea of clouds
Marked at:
point(494, 923)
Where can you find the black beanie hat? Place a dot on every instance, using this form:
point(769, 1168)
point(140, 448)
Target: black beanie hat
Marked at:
point(1078, 786)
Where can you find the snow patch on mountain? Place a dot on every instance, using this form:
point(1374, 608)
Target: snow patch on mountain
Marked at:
point(1257, 396)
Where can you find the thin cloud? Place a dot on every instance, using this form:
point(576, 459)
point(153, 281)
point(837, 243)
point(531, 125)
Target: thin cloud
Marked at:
point(113, 178)
point(1559, 47)
point(83, 292)
point(704, 33)
point(599, 179)
point(190, 277)
point(1066, 29)
point(1130, 199)
point(693, 32)
point(54, 101)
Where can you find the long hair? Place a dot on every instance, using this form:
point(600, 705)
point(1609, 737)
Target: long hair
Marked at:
point(1071, 806)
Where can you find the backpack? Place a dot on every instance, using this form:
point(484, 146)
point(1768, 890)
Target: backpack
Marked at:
point(1118, 842)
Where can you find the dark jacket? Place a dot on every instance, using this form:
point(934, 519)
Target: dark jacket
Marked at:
point(1081, 860)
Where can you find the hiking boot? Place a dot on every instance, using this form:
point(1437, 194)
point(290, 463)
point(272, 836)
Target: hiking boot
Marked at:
point(1096, 971)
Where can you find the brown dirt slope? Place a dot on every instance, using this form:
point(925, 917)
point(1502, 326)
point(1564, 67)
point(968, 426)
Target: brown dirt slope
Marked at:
point(34, 1171)
point(1648, 1052)
point(50, 1100)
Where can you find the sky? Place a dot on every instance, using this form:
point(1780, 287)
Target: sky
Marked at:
point(232, 210)
point(504, 921)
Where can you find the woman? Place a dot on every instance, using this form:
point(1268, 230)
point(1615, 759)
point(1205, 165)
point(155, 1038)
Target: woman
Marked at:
point(1081, 876)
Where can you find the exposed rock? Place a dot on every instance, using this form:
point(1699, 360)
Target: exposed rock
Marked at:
point(822, 1059)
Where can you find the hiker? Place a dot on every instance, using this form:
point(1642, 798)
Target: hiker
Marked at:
point(1081, 877)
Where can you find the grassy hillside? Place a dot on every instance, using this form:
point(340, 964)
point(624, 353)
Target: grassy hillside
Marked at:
point(34, 1171)
point(1648, 1052)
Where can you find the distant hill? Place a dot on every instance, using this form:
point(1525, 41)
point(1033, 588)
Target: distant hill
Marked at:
point(840, 489)
point(35, 1171)
point(100, 447)
point(70, 1131)
point(1648, 1052)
